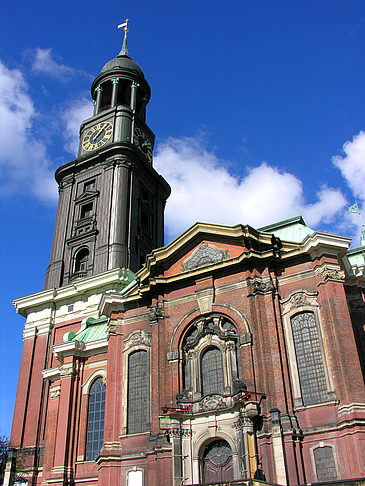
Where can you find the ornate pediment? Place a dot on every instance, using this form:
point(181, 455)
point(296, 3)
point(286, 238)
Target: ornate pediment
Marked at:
point(205, 254)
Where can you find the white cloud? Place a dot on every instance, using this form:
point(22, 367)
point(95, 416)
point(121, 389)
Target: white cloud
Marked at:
point(352, 167)
point(204, 190)
point(43, 61)
point(23, 160)
point(352, 164)
point(79, 111)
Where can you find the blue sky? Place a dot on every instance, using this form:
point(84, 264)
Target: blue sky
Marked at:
point(257, 107)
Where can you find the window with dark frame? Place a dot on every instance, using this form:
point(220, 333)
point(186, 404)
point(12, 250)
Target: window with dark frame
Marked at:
point(95, 420)
point(212, 371)
point(138, 392)
point(89, 185)
point(81, 260)
point(86, 210)
point(311, 371)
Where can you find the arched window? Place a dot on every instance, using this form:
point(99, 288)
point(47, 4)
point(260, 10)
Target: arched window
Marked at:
point(95, 420)
point(138, 392)
point(311, 371)
point(81, 260)
point(212, 371)
point(325, 463)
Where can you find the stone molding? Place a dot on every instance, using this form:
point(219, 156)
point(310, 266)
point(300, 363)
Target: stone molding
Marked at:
point(299, 298)
point(137, 338)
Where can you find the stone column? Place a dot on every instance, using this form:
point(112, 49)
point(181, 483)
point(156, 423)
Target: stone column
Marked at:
point(134, 95)
point(175, 436)
point(61, 468)
point(119, 220)
point(114, 100)
point(99, 92)
point(278, 447)
point(110, 454)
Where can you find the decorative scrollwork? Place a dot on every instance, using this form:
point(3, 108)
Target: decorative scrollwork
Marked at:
point(205, 254)
point(137, 338)
point(258, 286)
point(333, 274)
point(212, 402)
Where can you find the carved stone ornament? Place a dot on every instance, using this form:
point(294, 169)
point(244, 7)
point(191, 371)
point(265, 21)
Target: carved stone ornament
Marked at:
point(239, 386)
point(243, 422)
point(55, 392)
point(205, 254)
point(212, 402)
point(207, 327)
point(179, 433)
point(258, 286)
point(137, 338)
point(332, 274)
point(156, 312)
point(66, 370)
point(112, 328)
point(299, 298)
point(184, 395)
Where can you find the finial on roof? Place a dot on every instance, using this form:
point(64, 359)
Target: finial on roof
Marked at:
point(124, 50)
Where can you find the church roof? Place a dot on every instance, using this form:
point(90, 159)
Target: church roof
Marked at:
point(91, 330)
point(124, 63)
point(293, 229)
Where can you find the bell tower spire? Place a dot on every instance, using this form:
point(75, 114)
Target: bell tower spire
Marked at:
point(124, 50)
point(111, 203)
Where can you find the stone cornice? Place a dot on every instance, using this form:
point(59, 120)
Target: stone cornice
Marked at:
point(319, 243)
point(120, 277)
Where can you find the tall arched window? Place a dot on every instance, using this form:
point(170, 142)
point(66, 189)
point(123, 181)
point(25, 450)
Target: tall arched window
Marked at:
point(138, 392)
point(311, 371)
point(95, 420)
point(212, 371)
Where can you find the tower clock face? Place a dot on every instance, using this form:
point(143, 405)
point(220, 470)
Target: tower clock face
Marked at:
point(97, 136)
point(142, 142)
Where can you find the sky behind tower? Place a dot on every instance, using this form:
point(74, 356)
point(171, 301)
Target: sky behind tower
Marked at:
point(257, 107)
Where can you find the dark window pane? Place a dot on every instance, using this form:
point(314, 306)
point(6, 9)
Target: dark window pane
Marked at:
point(309, 358)
point(95, 426)
point(212, 371)
point(325, 463)
point(137, 392)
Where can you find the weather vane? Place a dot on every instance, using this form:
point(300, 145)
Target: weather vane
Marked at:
point(355, 209)
point(125, 25)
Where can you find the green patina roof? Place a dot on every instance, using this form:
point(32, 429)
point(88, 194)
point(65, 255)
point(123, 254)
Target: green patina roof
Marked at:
point(293, 229)
point(91, 330)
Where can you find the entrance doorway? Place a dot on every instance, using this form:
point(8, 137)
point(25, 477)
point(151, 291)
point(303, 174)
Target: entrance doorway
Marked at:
point(217, 463)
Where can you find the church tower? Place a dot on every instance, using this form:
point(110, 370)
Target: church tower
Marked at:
point(111, 200)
